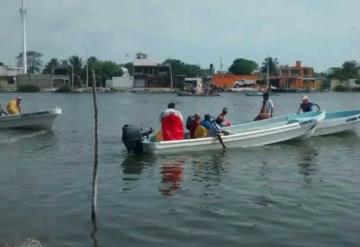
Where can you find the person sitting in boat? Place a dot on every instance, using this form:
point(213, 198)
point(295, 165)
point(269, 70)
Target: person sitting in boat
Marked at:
point(206, 122)
point(172, 123)
point(306, 105)
point(267, 108)
point(222, 114)
point(216, 129)
point(13, 107)
point(2, 112)
point(195, 122)
point(202, 129)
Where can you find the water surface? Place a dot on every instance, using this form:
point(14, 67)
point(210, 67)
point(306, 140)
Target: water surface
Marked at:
point(302, 193)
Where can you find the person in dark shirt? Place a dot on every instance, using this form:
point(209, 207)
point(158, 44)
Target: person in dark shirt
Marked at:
point(306, 105)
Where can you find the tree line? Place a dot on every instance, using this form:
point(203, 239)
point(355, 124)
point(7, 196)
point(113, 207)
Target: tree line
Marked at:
point(78, 67)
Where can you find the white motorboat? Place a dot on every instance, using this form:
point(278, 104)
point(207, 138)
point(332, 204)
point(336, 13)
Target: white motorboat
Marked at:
point(34, 120)
point(318, 116)
point(243, 135)
point(336, 122)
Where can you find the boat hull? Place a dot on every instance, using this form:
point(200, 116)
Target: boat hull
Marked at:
point(34, 121)
point(337, 122)
point(247, 138)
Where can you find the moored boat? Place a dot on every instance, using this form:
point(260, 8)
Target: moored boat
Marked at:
point(243, 136)
point(34, 120)
point(336, 122)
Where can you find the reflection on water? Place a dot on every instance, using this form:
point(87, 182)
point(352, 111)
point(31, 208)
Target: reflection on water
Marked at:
point(133, 166)
point(308, 158)
point(171, 176)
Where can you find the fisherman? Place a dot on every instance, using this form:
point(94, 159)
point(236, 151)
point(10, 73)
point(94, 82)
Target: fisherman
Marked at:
point(222, 114)
point(306, 105)
point(206, 122)
point(267, 108)
point(172, 123)
point(216, 129)
point(2, 112)
point(195, 122)
point(13, 107)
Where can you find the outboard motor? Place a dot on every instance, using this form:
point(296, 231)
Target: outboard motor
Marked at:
point(132, 137)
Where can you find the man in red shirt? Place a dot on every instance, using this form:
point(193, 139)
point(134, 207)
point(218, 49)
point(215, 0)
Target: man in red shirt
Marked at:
point(172, 125)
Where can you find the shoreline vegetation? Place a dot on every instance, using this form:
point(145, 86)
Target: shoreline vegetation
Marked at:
point(76, 70)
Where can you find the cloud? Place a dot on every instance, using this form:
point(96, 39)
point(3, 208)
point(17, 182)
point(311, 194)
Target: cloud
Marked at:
point(316, 32)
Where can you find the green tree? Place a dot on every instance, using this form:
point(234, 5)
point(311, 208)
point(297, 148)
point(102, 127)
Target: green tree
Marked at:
point(104, 70)
point(33, 59)
point(50, 66)
point(76, 65)
point(242, 66)
point(1, 64)
point(350, 69)
point(130, 67)
point(180, 68)
point(273, 66)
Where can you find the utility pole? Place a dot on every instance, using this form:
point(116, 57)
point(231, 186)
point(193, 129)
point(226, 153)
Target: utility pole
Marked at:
point(87, 72)
point(267, 73)
point(23, 17)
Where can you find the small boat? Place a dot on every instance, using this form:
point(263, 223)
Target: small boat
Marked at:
point(183, 93)
point(336, 122)
point(34, 120)
point(242, 136)
point(253, 93)
point(318, 116)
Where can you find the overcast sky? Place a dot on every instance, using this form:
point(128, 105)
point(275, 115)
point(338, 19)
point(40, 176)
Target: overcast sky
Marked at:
point(321, 33)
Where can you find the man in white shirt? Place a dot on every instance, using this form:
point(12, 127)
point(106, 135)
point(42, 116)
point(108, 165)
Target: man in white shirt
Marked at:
point(267, 108)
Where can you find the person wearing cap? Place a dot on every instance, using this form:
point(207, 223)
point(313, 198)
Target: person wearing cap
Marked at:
point(267, 108)
point(172, 125)
point(306, 105)
point(2, 112)
point(13, 107)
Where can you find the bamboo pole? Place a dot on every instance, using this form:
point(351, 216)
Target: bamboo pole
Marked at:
point(96, 154)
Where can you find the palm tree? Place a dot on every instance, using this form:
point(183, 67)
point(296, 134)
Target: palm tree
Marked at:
point(273, 66)
point(50, 66)
point(76, 65)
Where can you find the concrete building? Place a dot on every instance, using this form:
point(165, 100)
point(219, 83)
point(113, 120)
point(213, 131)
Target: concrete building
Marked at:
point(8, 78)
point(148, 73)
point(297, 77)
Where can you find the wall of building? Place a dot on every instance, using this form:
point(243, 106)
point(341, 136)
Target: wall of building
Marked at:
point(120, 82)
point(40, 80)
point(228, 80)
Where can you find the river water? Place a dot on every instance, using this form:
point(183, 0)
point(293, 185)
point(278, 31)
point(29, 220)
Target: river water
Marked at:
point(303, 193)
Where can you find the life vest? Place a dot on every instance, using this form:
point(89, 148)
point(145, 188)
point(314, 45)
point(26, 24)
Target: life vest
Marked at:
point(172, 125)
point(159, 136)
point(201, 132)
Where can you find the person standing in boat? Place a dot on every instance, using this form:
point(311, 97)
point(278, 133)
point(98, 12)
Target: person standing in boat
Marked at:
point(2, 112)
point(13, 107)
point(306, 105)
point(172, 125)
point(267, 108)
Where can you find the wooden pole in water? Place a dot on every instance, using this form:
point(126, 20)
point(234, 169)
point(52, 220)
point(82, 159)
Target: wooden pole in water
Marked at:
point(96, 154)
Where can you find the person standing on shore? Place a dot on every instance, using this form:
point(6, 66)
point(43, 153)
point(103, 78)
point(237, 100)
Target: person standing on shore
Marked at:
point(267, 108)
point(172, 125)
point(13, 107)
point(306, 105)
